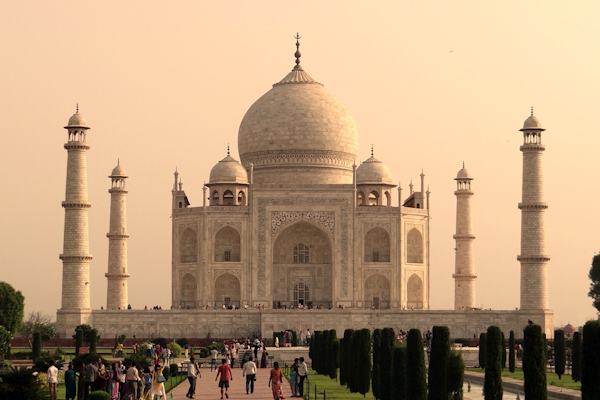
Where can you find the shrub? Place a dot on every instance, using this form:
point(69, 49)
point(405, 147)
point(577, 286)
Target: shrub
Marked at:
point(385, 358)
point(99, 395)
point(503, 351)
point(511, 351)
point(166, 373)
point(534, 363)
point(455, 375)
point(492, 386)
point(175, 349)
point(294, 339)
point(375, 373)
point(182, 342)
point(203, 352)
point(576, 357)
point(346, 349)
point(331, 354)
point(482, 357)
point(93, 339)
point(21, 384)
point(121, 339)
point(174, 369)
point(43, 363)
point(12, 304)
point(559, 352)
point(590, 364)
point(5, 338)
point(162, 342)
point(364, 361)
point(438, 363)
point(78, 340)
point(399, 373)
point(416, 387)
point(36, 346)
point(354, 375)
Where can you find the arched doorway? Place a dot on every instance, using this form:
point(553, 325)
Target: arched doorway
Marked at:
point(227, 245)
point(188, 291)
point(302, 267)
point(377, 246)
point(414, 293)
point(227, 291)
point(377, 292)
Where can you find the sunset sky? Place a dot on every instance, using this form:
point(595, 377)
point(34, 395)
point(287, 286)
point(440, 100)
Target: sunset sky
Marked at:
point(430, 84)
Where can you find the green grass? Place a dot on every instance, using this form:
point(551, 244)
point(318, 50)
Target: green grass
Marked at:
point(333, 389)
point(552, 379)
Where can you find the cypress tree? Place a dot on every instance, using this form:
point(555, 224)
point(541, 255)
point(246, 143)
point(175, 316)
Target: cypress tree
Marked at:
point(346, 350)
point(315, 342)
point(375, 377)
point(482, 356)
point(559, 352)
point(78, 340)
point(576, 357)
point(590, 363)
point(93, 340)
point(388, 338)
point(438, 363)
point(354, 374)
point(503, 351)
point(335, 348)
point(416, 387)
point(492, 386)
point(511, 351)
point(456, 371)
point(534, 363)
point(332, 354)
point(399, 373)
point(36, 346)
point(364, 361)
point(324, 350)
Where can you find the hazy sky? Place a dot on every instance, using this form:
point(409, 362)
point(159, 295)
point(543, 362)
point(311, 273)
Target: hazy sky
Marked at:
point(430, 84)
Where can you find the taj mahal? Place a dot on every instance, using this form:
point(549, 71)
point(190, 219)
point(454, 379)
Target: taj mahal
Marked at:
point(297, 234)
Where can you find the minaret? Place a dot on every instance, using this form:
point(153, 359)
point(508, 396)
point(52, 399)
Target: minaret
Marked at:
point(76, 248)
point(116, 295)
point(464, 267)
point(533, 257)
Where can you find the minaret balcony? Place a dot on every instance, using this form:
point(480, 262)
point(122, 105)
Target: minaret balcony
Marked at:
point(533, 259)
point(538, 205)
point(76, 145)
point(532, 147)
point(75, 204)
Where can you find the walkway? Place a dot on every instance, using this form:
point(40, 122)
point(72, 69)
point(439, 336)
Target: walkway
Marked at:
point(206, 387)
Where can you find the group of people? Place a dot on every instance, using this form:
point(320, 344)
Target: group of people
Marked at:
point(120, 381)
point(298, 374)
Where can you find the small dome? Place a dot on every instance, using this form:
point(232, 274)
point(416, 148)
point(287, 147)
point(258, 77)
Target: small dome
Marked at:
point(532, 123)
point(463, 173)
point(374, 172)
point(228, 170)
point(118, 171)
point(77, 121)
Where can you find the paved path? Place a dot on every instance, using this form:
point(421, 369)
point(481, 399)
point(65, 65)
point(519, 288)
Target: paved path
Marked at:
point(206, 387)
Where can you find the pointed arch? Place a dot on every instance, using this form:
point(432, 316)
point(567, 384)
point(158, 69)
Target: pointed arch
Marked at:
point(214, 200)
point(377, 292)
point(388, 198)
point(360, 199)
point(188, 246)
point(414, 246)
point(227, 245)
point(377, 245)
point(241, 198)
point(373, 199)
point(188, 291)
point(414, 292)
point(227, 290)
point(228, 199)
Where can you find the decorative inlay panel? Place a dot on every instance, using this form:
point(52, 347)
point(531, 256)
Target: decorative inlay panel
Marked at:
point(280, 219)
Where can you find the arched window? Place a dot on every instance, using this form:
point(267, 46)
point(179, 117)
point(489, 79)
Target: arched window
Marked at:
point(301, 254)
point(188, 247)
point(388, 199)
point(227, 245)
point(301, 293)
point(360, 199)
point(241, 198)
point(373, 198)
point(377, 246)
point(414, 246)
point(215, 199)
point(228, 198)
point(414, 292)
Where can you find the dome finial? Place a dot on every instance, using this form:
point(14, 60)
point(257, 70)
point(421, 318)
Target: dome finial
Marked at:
point(463, 163)
point(372, 152)
point(532, 111)
point(297, 53)
point(76, 108)
point(228, 153)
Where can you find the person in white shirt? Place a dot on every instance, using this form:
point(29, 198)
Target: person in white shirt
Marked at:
point(249, 371)
point(213, 359)
point(302, 374)
point(193, 373)
point(52, 375)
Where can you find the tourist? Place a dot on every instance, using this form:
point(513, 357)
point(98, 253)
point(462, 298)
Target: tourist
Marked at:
point(101, 377)
point(232, 355)
point(193, 372)
point(263, 359)
point(70, 383)
point(294, 378)
point(275, 381)
point(114, 382)
point(302, 374)
point(52, 376)
point(158, 384)
point(147, 381)
point(224, 372)
point(249, 371)
point(213, 359)
point(276, 341)
point(89, 377)
point(133, 377)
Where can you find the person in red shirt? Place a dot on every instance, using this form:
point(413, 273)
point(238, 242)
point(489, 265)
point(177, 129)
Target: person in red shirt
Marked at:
point(224, 372)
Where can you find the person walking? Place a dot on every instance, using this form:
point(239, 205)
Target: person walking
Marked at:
point(133, 377)
point(275, 381)
point(294, 378)
point(302, 374)
point(193, 373)
point(114, 382)
point(89, 377)
point(70, 385)
point(224, 371)
point(249, 371)
point(158, 384)
point(52, 375)
point(213, 359)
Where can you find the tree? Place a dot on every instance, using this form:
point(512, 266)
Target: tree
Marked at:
point(93, 339)
point(438, 363)
point(332, 356)
point(503, 351)
point(5, 338)
point(492, 385)
point(576, 357)
point(375, 377)
point(590, 363)
point(315, 344)
point(416, 386)
point(456, 371)
point(38, 322)
point(346, 352)
point(12, 304)
point(78, 340)
point(364, 361)
point(511, 351)
point(388, 338)
point(399, 373)
point(335, 348)
point(323, 350)
point(354, 374)
point(594, 276)
point(36, 346)
point(559, 352)
point(534, 363)
point(482, 356)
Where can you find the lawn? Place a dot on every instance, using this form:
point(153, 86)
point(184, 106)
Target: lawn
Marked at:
point(332, 388)
point(552, 379)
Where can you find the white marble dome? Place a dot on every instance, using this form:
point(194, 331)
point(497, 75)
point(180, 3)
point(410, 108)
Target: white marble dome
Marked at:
point(118, 171)
point(373, 172)
point(463, 173)
point(532, 123)
point(77, 121)
point(228, 170)
point(300, 126)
